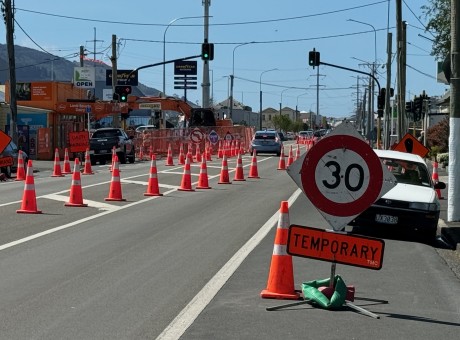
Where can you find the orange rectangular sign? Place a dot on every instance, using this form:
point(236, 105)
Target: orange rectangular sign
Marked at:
point(79, 141)
point(6, 161)
point(325, 245)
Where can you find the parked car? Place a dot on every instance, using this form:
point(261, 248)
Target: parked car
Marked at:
point(413, 203)
point(266, 142)
point(146, 128)
point(103, 140)
point(12, 150)
point(290, 135)
point(282, 136)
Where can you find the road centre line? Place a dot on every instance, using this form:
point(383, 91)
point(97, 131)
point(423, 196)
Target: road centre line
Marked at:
point(187, 316)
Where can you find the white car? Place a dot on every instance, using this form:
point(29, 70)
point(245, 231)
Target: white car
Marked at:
point(412, 203)
point(145, 127)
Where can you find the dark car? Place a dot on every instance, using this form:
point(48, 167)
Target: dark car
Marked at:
point(266, 142)
point(282, 136)
point(12, 150)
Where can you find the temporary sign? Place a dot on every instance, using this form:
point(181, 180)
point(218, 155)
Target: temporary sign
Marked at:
point(213, 137)
point(4, 140)
point(410, 144)
point(341, 175)
point(196, 136)
point(335, 247)
point(79, 141)
point(6, 161)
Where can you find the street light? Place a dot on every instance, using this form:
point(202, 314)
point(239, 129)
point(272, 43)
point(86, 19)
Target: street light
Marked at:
point(233, 75)
point(164, 48)
point(281, 101)
point(260, 97)
point(297, 104)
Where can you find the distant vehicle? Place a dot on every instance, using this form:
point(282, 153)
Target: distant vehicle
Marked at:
point(146, 127)
point(412, 203)
point(290, 135)
point(282, 136)
point(266, 142)
point(102, 142)
point(12, 150)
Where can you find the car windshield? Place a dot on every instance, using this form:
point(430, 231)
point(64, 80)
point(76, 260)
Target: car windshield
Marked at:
point(265, 135)
point(107, 133)
point(408, 172)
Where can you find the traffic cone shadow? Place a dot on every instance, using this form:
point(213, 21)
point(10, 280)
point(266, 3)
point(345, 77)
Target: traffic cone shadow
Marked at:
point(29, 198)
point(76, 192)
point(20, 172)
point(153, 188)
point(57, 172)
point(280, 283)
point(115, 193)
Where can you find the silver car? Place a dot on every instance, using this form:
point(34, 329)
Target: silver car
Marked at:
point(266, 142)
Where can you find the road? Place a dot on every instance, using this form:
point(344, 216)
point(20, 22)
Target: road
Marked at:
point(192, 265)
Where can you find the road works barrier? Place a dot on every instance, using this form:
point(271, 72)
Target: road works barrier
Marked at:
point(29, 198)
point(153, 188)
point(76, 192)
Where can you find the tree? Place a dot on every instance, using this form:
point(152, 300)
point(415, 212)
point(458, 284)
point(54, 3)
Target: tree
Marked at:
point(438, 15)
point(438, 137)
point(282, 122)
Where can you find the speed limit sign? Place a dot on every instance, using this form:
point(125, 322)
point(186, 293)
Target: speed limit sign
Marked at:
point(342, 176)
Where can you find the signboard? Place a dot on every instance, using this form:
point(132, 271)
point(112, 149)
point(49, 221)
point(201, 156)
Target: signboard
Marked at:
point(335, 247)
point(78, 141)
point(213, 137)
point(196, 136)
point(410, 144)
point(150, 106)
point(4, 140)
point(6, 161)
point(185, 67)
point(39, 91)
point(124, 77)
point(341, 175)
point(228, 136)
point(84, 77)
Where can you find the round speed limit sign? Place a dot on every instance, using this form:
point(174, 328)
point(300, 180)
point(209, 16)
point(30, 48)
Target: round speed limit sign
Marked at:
point(342, 176)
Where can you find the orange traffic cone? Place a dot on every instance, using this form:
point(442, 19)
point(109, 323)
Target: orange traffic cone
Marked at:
point(115, 193)
point(203, 181)
point(219, 150)
point(435, 178)
point(114, 154)
point(197, 153)
point(169, 157)
point(66, 170)
point(280, 283)
point(186, 183)
point(20, 172)
point(253, 172)
point(282, 161)
point(297, 153)
point(87, 170)
point(224, 176)
point(153, 188)
point(57, 172)
point(239, 175)
point(29, 199)
point(76, 193)
point(181, 155)
point(290, 157)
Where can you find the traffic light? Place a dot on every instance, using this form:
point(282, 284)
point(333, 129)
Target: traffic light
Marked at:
point(207, 51)
point(313, 58)
point(409, 107)
point(381, 102)
point(122, 92)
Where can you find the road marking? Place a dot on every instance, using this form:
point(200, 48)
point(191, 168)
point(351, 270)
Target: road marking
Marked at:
point(187, 316)
point(92, 204)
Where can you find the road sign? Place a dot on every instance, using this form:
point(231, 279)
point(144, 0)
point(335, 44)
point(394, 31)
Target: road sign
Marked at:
point(6, 161)
point(213, 137)
point(4, 140)
point(410, 144)
point(335, 247)
point(228, 136)
point(196, 136)
point(341, 175)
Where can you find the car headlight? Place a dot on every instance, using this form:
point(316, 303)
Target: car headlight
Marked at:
point(424, 206)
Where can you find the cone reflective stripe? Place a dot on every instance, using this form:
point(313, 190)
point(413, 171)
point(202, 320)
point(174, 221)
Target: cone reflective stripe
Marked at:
point(239, 175)
point(280, 284)
point(253, 172)
point(203, 181)
point(282, 161)
point(198, 153)
point(435, 178)
point(224, 175)
point(297, 153)
point(169, 157)
point(186, 183)
point(76, 193)
point(181, 155)
point(20, 172)
point(57, 172)
point(290, 157)
point(66, 169)
point(114, 154)
point(115, 193)
point(87, 170)
point(29, 199)
point(153, 188)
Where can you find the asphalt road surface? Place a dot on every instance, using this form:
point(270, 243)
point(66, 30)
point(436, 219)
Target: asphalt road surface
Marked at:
point(191, 265)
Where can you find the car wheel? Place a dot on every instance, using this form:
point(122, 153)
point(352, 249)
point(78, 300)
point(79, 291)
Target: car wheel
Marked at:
point(122, 157)
point(7, 171)
point(132, 157)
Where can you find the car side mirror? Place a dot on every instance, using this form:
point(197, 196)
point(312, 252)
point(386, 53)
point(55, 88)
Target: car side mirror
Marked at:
point(440, 185)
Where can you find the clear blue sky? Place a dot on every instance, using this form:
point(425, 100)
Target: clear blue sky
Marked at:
point(284, 31)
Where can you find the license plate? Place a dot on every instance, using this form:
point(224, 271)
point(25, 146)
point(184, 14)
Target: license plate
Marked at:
point(386, 219)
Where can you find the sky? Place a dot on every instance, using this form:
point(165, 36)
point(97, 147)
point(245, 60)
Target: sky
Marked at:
point(277, 37)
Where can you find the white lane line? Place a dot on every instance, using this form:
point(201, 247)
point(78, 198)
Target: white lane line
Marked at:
point(92, 204)
point(185, 318)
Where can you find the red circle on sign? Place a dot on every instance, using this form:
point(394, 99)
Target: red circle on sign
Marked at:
point(196, 136)
point(313, 193)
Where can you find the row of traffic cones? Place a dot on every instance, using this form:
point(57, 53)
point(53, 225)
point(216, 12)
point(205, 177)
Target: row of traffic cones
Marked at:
point(282, 165)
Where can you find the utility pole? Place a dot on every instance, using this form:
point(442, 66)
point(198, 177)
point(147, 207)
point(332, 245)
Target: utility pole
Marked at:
point(401, 105)
point(82, 55)
point(386, 118)
point(453, 208)
point(9, 19)
point(113, 59)
point(205, 85)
